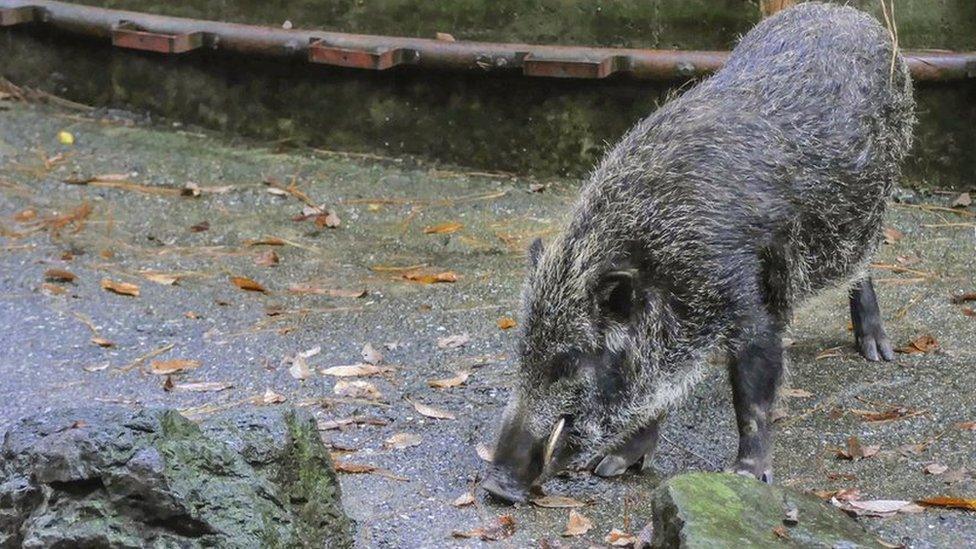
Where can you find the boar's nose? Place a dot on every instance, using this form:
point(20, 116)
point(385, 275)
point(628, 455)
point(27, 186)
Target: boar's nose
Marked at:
point(505, 486)
point(517, 463)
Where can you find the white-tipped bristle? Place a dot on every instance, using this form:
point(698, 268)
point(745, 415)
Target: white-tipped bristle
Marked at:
point(553, 439)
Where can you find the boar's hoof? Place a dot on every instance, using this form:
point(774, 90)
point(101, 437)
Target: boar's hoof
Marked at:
point(503, 490)
point(765, 477)
point(876, 347)
point(613, 465)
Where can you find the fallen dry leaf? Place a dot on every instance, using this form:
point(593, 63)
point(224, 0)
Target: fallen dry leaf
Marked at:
point(949, 503)
point(959, 299)
point(357, 389)
point(400, 441)
point(97, 367)
point(362, 469)
point(200, 227)
point(459, 379)
point(577, 525)
point(557, 502)
point(59, 275)
point(935, 469)
point(431, 412)
point(371, 355)
point(444, 37)
point(299, 368)
point(892, 235)
point(121, 288)
point(876, 508)
point(308, 289)
point(53, 289)
point(797, 393)
point(453, 341)
point(536, 187)
point(102, 342)
point(24, 216)
point(270, 397)
point(503, 527)
point(416, 276)
point(898, 412)
point(921, 344)
point(355, 370)
point(781, 532)
point(204, 386)
point(267, 259)
point(174, 366)
point(464, 500)
point(329, 220)
point(161, 278)
point(265, 241)
point(964, 200)
point(247, 284)
point(443, 228)
point(506, 323)
point(855, 451)
point(618, 538)
point(966, 425)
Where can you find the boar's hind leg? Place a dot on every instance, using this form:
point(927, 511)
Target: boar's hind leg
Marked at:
point(869, 333)
point(638, 448)
point(755, 371)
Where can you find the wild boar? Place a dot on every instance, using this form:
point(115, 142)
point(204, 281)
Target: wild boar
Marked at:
point(701, 231)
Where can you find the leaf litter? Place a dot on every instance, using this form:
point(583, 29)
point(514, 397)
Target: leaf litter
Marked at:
point(430, 411)
point(577, 524)
point(501, 528)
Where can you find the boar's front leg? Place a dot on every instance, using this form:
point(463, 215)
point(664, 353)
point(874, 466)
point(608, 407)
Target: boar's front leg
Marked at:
point(869, 333)
point(640, 446)
point(755, 369)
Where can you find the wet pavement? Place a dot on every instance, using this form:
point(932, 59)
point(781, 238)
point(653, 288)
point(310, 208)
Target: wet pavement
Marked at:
point(132, 223)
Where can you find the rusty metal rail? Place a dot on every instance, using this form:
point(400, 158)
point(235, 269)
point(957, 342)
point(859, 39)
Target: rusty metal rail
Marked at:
point(176, 35)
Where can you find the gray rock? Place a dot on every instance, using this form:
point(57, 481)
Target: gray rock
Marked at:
point(727, 510)
point(114, 477)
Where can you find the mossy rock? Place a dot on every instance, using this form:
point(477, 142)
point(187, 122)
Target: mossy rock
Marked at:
point(705, 510)
point(113, 477)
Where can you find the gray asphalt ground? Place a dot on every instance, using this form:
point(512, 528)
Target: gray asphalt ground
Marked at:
point(120, 230)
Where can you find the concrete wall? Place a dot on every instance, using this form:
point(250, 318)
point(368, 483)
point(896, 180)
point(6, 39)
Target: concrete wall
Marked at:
point(540, 126)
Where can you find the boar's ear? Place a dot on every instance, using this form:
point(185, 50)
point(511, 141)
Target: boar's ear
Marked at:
point(615, 294)
point(535, 252)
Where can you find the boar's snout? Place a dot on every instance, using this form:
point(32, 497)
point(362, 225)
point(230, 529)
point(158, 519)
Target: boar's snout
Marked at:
point(518, 461)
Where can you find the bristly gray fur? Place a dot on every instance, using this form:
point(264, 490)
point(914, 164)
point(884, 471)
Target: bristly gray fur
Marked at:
point(755, 188)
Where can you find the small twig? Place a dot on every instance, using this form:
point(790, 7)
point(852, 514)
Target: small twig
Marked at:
point(933, 208)
point(141, 360)
point(691, 452)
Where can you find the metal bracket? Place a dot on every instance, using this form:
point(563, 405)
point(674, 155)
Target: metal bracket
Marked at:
point(131, 36)
point(533, 65)
point(379, 60)
point(16, 16)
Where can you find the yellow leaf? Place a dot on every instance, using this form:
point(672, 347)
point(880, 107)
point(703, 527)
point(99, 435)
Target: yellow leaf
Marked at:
point(174, 366)
point(121, 288)
point(247, 284)
point(443, 228)
point(505, 323)
point(65, 138)
point(446, 276)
